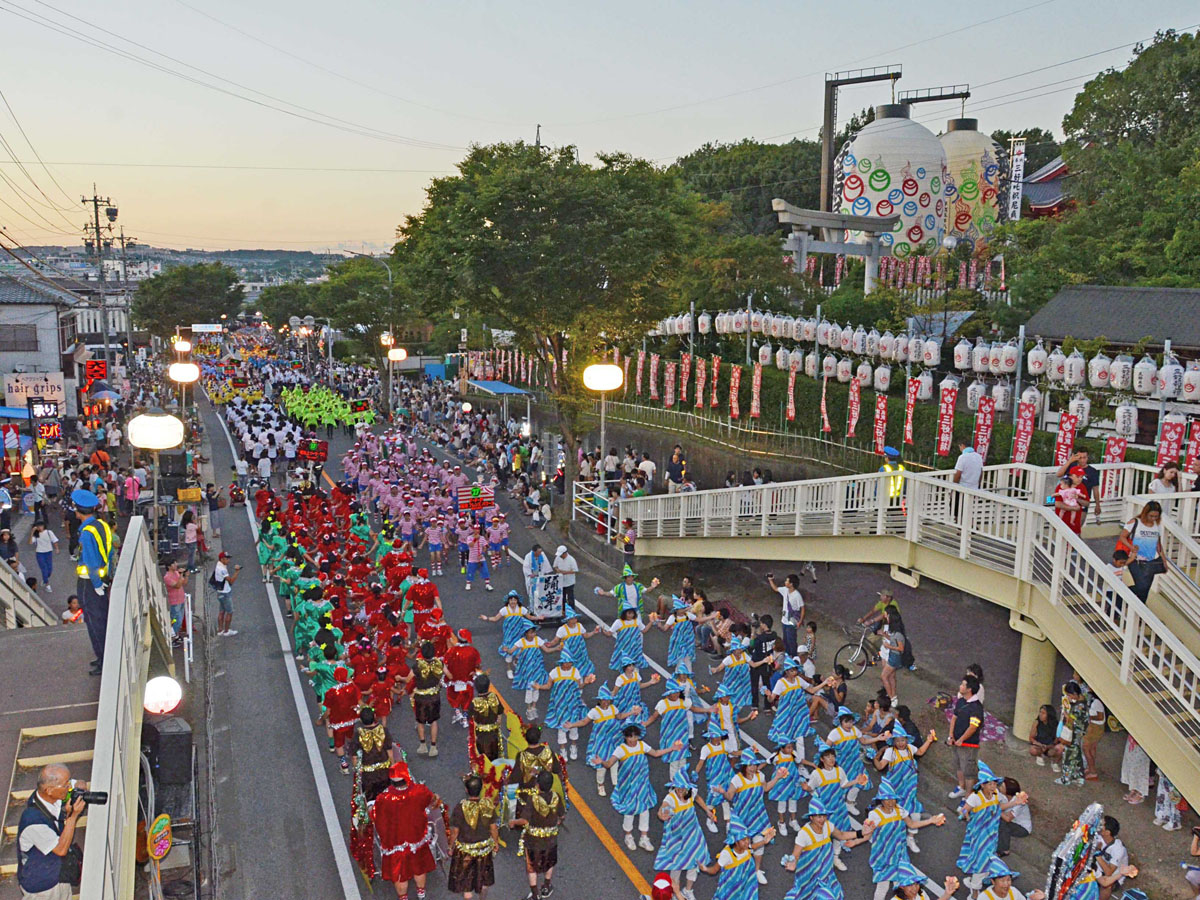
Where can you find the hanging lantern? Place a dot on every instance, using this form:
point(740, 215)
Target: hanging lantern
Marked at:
point(1032, 395)
point(1081, 407)
point(756, 322)
point(1191, 382)
point(687, 323)
point(829, 365)
point(1075, 370)
point(787, 329)
point(1010, 353)
point(771, 325)
point(1120, 373)
point(995, 356)
point(823, 333)
point(704, 323)
point(981, 357)
point(1125, 418)
point(925, 385)
point(883, 378)
point(916, 348)
point(720, 323)
point(741, 321)
point(1002, 394)
point(900, 348)
point(1038, 360)
point(887, 345)
point(975, 390)
point(863, 373)
point(858, 341)
point(809, 330)
point(835, 336)
point(1170, 379)
point(1098, 368)
point(810, 364)
point(1145, 373)
point(765, 353)
point(782, 359)
point(847, 339)
point(845, 370)
point(962, 355)
point(872, 343)
point(931, 353)
point(796, 359)
point(1056, 365)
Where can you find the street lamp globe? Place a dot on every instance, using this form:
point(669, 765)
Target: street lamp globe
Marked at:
point(182, 346)
point(386, 339)
point(163, 694)
point(603, 377)
point(183, 373)
point(397, 354)
point(155, 430)
point(466, 407)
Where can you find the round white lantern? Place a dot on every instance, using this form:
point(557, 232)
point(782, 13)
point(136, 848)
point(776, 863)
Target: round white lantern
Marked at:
point(975, 391)
point(925, 385)
point(872, 343)
point(1080, 406)
point(1098, 368)
point(887, 345)
point(1056, 365)
point(1002, 394)
point(1145, 374)
point(1191, 382)
point(981, 357)
point(931, 353)
point(1075, 370)
point(764, 353)
point(1038, 360)
point(1170, 379)
point(883, 378)
point(1125, 418)
point(962, 355)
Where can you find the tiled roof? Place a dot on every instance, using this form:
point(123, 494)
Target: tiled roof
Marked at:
point(31, 291)
point(1044, 194)
point(1046, 171)
point(1123, 315)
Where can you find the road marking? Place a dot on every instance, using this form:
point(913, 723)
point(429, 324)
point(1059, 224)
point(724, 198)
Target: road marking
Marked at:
point(341, 854)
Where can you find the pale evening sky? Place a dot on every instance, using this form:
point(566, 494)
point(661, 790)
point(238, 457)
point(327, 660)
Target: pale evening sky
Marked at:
point(195, 167)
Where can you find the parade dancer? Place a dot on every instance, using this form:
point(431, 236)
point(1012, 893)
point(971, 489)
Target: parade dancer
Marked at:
point(718, 772)
point(606, 721)
point(425, 684)
point(982, 809)
point(791, 694)
point(734, 865)
point(477, 559)
point(727, 717)
point(572, 637)
point(495, 538)
point(683, 849)
point(627, 632)
point(789, 790)
point(565, 684)
point(539, 816)
point(462, 662)
point(400, 819)
point(674, 709)
point(529, 667)
point(899, 760)
point(634, 794)
point(435, 538)
point(371, 748)
point(628, 693)
point(682, 645)
point(747, 792)
point(893, 828)
point(473, 838)
point(813, 857)
point(628, 591)
point(516, 618)
point(536, 757)
point(736, 680)
point(462, 534)
point(483, 715)
point(847, 742)
point(828, 784)
point(1001, 887)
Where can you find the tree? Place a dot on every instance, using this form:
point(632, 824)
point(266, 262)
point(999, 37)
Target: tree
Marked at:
point(1040, 146)
point(358, 299)
point(279, 302)
point(185, 294)
point(570, 257)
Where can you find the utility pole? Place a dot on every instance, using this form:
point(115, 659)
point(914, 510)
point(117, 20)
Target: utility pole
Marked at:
point(127, 242)
point(110, 213)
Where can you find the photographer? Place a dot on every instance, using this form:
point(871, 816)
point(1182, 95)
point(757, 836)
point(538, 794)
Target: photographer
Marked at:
point(45, 833)
point(223, 580)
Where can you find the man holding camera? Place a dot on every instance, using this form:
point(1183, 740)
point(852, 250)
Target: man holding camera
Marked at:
point(45, 835)
point(223, 580)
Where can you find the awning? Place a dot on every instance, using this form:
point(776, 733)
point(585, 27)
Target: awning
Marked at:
point(13, 412)
point(496, 388)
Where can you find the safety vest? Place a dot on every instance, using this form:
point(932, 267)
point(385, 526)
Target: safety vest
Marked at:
point(103, 536)
point(895, 482)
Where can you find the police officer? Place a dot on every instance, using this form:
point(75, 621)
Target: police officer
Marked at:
point(6, 502)
point(894, 465)
point(95, 559)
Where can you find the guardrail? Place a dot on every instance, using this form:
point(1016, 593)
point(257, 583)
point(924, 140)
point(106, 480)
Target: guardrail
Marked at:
point(137, 617)
point(589, 501)
point(19, 606)
point(1181, 506)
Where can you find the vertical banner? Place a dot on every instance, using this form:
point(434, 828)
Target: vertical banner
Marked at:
point(945, 426)
point(1023, 433)
point(625, 382)
point(962, 275)
point(735, 382)
point(701, 373)
point(880, 427)
point(716, 370)
point(685, 373)
point(1193, 447)
point(641, 365)
point(669, 386)
point(12, 448)
point(837, 270)
point(756, 392)
point(824, 407)
point(1114, 452)
point(972, 274)
point(616, 356)
point(653, 376)
point(853, 406)
point(910, 406)
point(1170, 442)
point(985, 421)
point(1065, 440)
point(791, 400)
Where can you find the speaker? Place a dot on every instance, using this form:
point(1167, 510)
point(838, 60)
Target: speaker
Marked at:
point(169, 485)
point(172, 462)
point(169, 742)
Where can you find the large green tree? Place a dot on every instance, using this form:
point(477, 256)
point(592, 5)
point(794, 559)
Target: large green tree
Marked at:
point(279, 302)
point(185, 294)
point(1040, 146)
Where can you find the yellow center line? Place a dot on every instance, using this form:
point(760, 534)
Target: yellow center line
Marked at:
point(636, 878)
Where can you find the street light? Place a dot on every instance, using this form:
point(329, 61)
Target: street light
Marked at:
point(386, 339)
point(155, 430)
point(183, 373)
point(163, 694)
point(602, 378)
point(466, 407)
point(394, 355)
point(182, 346)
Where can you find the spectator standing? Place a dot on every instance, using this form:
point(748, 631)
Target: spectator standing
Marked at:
point(73, 614)
point(676, 471)
point(1070, 733)
point(892, 650)
point(1091, 476)
point(964, 734)
point(1135, 771)
point(567, 568)
point(223, 580)
point(1144, 534)
point(191, 535)
point(37, 494)
point(45, 545)
point(648, 469)
point(792, 616)
point(1167, 479)
point(968, 467)
point(1097, 715)
point(45, 833)
point(762, 645)
point(213, 496)
point(175, 581)
point(1071, 499)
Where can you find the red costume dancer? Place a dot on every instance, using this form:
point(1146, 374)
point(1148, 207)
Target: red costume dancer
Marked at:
point(423, 595)
point(341, 712)
point(263, 498)
point(381, 693)
point(436, 631)
point(404, 831)
point(462, 661)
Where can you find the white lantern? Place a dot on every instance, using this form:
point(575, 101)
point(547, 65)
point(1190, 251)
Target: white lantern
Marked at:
point(1075, 370)
point(704, 323)
point(796, 359)
point(916, 348)
point(1170, 379)
point(995, 356)
point(1081, 407)
point(720, 325)
point(872, 343)
point(788, 329)
point(809, 332)
point(835, 336)
point(1010, 353)
point(1120, 373)
point(1145, 373)
point(1032, 395)
point(823, 333)
point(765, 353)
point(1098, 368)
point(887, 345)
point(771, 325)
point(1056, 365)
point(1002, 394)
point(829, 365)
point(782, 359)
point(962, 355)
point(975, 391)
point(810, 364)
point(1125, 419)
point(845, 370)
point(741, 321)
point(883, 378)
point(858, 341)
point(756, 322)
point(687, 322)
point(925, 385)
point(931, 353)
point(981, 357)
point(847, 338)
point(1191, 382)
point(900, 349)
point(1038, 360)
point(863, 373)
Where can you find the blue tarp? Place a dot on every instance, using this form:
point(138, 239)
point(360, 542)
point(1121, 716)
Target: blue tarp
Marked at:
point(496, 387)
point(13, 412)
point(436, 370)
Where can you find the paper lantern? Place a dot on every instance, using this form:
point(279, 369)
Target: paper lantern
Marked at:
point(704, 323)
point(995, 356)
point(847, 338)
point(981, 357)
point(900, 348)
point(796, 358)
point(1002, 394)
point(829, 365)
point(931, 353)
point(1010, 353)
point(845, 370)
point(771, 325)
point(863, 373)
point(975, 391)
point(811, 362)
point(1080, 406)
point(1125, 419)
point(810, 330)
point(973, 182)
point(883, 378)
point(1145, 374)
point(1098, 367)
point(858, 341)
point(787, 328)
point(887, 345)
point(1038, 360)
point(1170, 379)
point(1032, 395)
point(962, 355)
point(835, 336)
point(687, 322)
point(1075, 370)
point(823, 333)
point(741, 321)
point(872, 343)
point(783, 359)
point(764, 353)
point(1120, 373)
point(925, 385)
point(1056, 365)
point(916, 348)
point(756, 322)
point(1191, 383)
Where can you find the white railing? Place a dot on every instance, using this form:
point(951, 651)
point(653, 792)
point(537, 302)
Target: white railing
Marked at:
point(1005, 534)
point(137, 616)
point(589, 502)
point(1181, 506)
point(19, 606)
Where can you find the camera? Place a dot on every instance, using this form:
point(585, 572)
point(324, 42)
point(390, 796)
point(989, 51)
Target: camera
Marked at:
point(97, 798)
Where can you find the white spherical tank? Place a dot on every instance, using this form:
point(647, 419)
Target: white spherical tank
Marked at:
point(1080, 406)
point(872, 343)
point(895, 167)
point(1191, 382)
point(829, 365)
point(863, 373)
point(1075, 370)
point(1145, 374)
point(765, 353)
point(1002, 394)
point(845, 370)
point(925, 385)
point(1120, 373)
point(962, 355)
point(1170, 379)
point(1125, 418)
point(1098, 367)
point(1038, 360)
point(887, 345)
point(883, 378)
point(973, 181)
point(931, 353)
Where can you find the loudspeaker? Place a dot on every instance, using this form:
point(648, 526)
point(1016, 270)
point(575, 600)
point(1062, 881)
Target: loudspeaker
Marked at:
point(169, 742)
point(169, 485)
point(172, 462)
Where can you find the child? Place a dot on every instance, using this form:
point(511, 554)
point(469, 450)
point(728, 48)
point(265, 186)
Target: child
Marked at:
point(627, 538)
point(810, 640)
point(1118, 567)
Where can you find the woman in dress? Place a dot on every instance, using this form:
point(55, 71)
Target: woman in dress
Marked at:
point(1001, 887)
point(572, 638)
point(734, 866)
point(828, 784)
point(1166, 804)
point(680, 625)
point(1135, 771)
point(789, 789)
point(674, 709)
point(683, 849)
point(814, 855)
point(629, 686)
point(736, 680)
point(899, 763)
point(847, 742)
point(791, 695)
point(516, 619)
point(982, 809)
point(565, 684)
point(890, 824)
point(1074, 719)
point(747, 792)
point(634, 795)
point(718, 772)
point(606, 721)
point(627, 632)
point(530, 667)
point(910, 885)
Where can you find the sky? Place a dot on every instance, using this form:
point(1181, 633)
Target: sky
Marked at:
point(314, 126)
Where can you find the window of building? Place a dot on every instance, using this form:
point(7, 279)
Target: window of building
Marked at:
point(19, 338)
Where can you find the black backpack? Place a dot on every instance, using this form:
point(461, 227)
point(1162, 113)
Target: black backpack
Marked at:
point(907, 657)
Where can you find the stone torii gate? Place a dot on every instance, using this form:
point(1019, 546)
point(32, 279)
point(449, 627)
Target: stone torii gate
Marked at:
point(814, 231)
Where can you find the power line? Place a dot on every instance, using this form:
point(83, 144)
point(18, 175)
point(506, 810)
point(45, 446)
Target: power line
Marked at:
point(248, 168)
point(37, 155)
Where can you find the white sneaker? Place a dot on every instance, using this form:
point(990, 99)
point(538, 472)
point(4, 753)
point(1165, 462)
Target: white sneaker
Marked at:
point(489, 586)
point(603, 793)
point(510, 674)
point(762, 877)
point(468, 585)
point(531, 712)
point(688, 893)
point(838, 864)
point(852, 809)
point(629, 842)
point(912, 844)
point(49, 589)
point(782, 829)
point(230, 633)
point(710, 825)
point(1041, 760)
point(1055, 767)
point(644, 843)
point(574, 752)
point(956, 793)
point(794, 825)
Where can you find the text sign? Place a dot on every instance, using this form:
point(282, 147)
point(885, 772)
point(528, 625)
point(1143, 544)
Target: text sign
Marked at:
point(476, 496)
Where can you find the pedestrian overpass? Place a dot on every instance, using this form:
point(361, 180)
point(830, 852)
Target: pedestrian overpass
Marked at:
point(1000, 543)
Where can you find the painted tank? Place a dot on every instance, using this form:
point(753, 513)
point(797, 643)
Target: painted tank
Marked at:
point(973, 182)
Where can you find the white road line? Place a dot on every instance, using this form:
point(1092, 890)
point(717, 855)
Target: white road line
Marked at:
point(341, 855)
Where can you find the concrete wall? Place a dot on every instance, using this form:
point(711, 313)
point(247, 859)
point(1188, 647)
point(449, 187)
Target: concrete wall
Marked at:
point(46, 358)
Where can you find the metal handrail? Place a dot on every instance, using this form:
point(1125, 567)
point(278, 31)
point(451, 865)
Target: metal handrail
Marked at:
point(586, 497)
point(19, 606)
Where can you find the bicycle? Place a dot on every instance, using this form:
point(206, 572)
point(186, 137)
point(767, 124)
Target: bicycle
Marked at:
point(858, 654)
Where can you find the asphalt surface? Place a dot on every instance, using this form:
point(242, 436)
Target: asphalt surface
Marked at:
point(273, 836)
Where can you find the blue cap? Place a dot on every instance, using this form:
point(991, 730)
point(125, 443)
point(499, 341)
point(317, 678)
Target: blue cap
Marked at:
point(750, 758)
point(678, 603)
point(996, 868)
point(984, 775)
point(890, 451)
point(683, 667)
point(887, 791)
point(627, 572)
point(630, 661)
point(907, 874)
point(84, 499)
point(714, 730)
point(844, 711)
point(721, 692)
point(898, 731)
point(605, 692)
point(817, 807)
point(737, 830)
point(790, 662)
point(569, 612)
point(673, 687)
point(682, 780)
point(564, 659)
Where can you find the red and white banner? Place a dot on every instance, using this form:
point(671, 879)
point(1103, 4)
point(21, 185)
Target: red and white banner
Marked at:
point(625, 381)
point(1114, 452)
point(985, 421)
point(641, 365)
point(791, 400)
point(701, 375)
point(910, 406)
point(685, 372)
point(716, 370)
point(824, 408)
point(735, 382)
point(653, 376)
point(756, 392)
point(880, 427)
point(616, 356)
point(669, 386)
point(853, 406)
point(1023, 433)
point(1170, 442)
point(1193, 447)
point(837, 270)
point(945, 426)
point(1065, 440)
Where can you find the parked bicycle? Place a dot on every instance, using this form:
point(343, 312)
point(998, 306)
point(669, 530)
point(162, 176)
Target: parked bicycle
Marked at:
point(860, 653)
